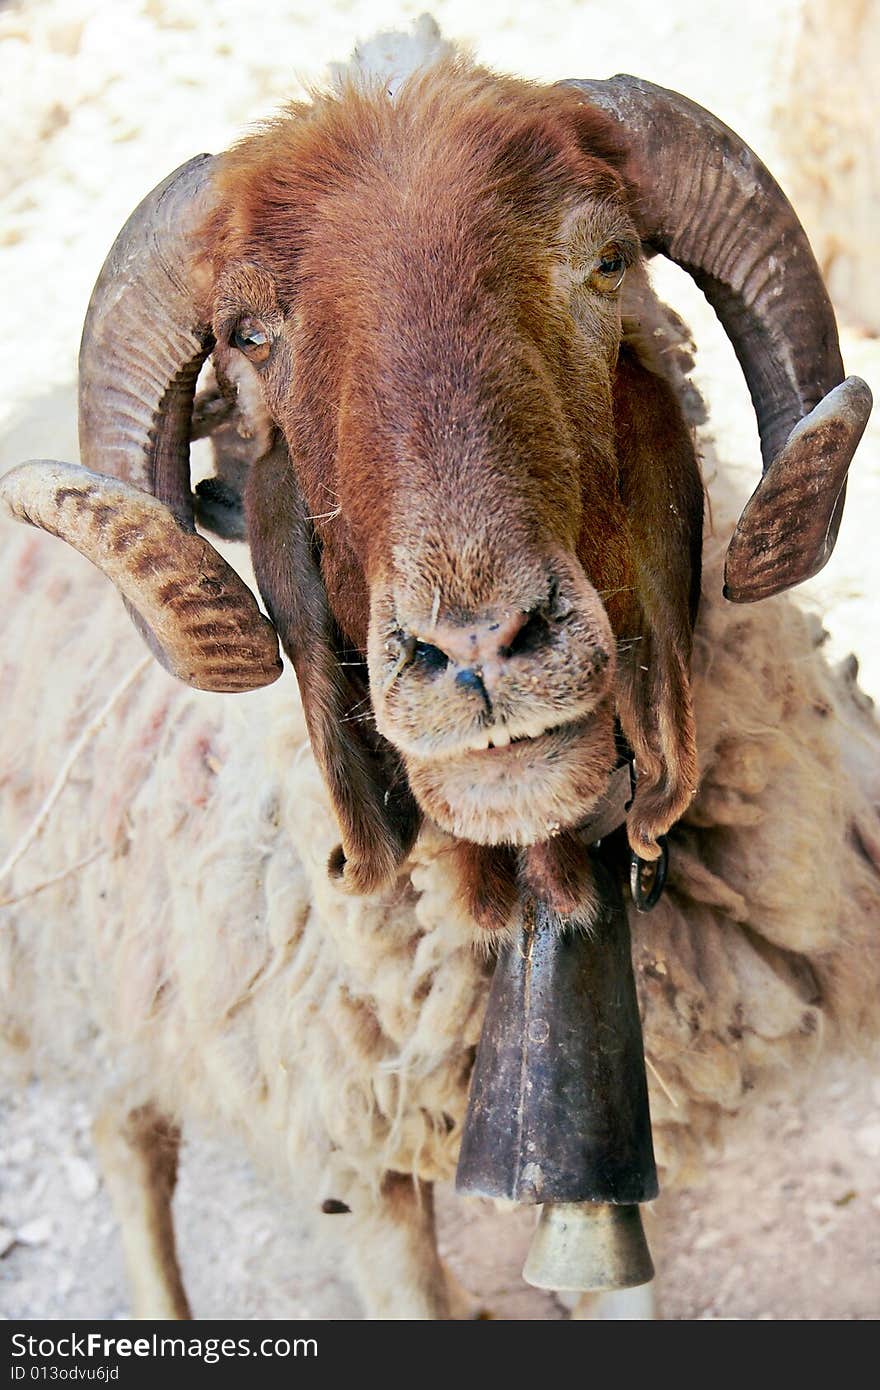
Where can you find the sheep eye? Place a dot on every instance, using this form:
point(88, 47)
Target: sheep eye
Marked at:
point(251, 338)
point(607, 274)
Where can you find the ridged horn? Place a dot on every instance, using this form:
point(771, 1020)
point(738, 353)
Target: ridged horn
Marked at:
point(710, 204)
point(145, 338)
point(203, 621)
point(146, 335)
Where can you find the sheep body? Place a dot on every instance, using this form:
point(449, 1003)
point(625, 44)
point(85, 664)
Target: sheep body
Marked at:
point(204, 961)
point(237, 835)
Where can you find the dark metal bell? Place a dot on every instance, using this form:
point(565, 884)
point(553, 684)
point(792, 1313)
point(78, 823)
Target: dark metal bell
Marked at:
point(558, 1110)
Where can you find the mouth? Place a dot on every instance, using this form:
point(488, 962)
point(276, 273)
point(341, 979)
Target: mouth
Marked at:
point(523, 787)
point(521, 732)
point(498, 741)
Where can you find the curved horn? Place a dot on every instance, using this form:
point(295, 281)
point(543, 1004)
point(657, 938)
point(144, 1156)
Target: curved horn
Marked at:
point(200, 619)
point(709, 204)
point(145, 338)
point(146, 335)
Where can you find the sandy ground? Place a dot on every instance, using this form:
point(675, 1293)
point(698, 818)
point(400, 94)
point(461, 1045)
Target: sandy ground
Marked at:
point(101, 99)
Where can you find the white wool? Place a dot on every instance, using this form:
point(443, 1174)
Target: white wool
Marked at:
point(390, 58)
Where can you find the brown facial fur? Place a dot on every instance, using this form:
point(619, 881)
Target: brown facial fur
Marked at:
point(466, 447)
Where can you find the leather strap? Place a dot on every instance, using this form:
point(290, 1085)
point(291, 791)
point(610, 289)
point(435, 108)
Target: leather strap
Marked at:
point(610, 810)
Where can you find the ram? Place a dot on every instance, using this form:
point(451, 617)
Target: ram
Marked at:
point(456, 428)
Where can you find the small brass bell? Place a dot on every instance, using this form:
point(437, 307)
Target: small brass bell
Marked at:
point(583, 1246)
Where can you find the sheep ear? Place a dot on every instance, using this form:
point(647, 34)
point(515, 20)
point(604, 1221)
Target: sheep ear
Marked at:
point(662, 492)
point(377, 815)
point(231, 414)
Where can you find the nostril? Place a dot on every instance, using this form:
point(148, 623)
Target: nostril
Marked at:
point(429, 657)
point(532, 636)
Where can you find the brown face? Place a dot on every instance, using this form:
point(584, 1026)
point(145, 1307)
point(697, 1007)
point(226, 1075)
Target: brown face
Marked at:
point(438, 341)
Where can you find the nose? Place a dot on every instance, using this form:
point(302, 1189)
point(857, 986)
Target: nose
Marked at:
point(477, 644)
point(481, 649)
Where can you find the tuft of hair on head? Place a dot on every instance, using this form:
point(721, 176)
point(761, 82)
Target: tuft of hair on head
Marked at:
point(388, 59)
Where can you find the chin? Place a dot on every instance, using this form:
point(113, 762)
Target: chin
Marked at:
point(524, 793)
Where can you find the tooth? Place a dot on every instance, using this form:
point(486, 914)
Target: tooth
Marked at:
point(501, 738)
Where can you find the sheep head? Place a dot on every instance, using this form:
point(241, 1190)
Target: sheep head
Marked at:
point(436, 333)
point(476, 524)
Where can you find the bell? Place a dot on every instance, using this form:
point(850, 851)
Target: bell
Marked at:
point(558, 1109)
point(588, 1246)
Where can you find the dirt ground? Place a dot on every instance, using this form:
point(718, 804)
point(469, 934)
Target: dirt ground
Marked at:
point(101, 99)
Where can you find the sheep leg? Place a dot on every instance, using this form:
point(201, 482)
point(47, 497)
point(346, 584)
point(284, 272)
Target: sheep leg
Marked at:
point(138, 1154)
point(463, 1305)
point(392, 1253)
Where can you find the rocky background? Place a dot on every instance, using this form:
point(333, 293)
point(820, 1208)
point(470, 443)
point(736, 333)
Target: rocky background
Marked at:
point(100, 99)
